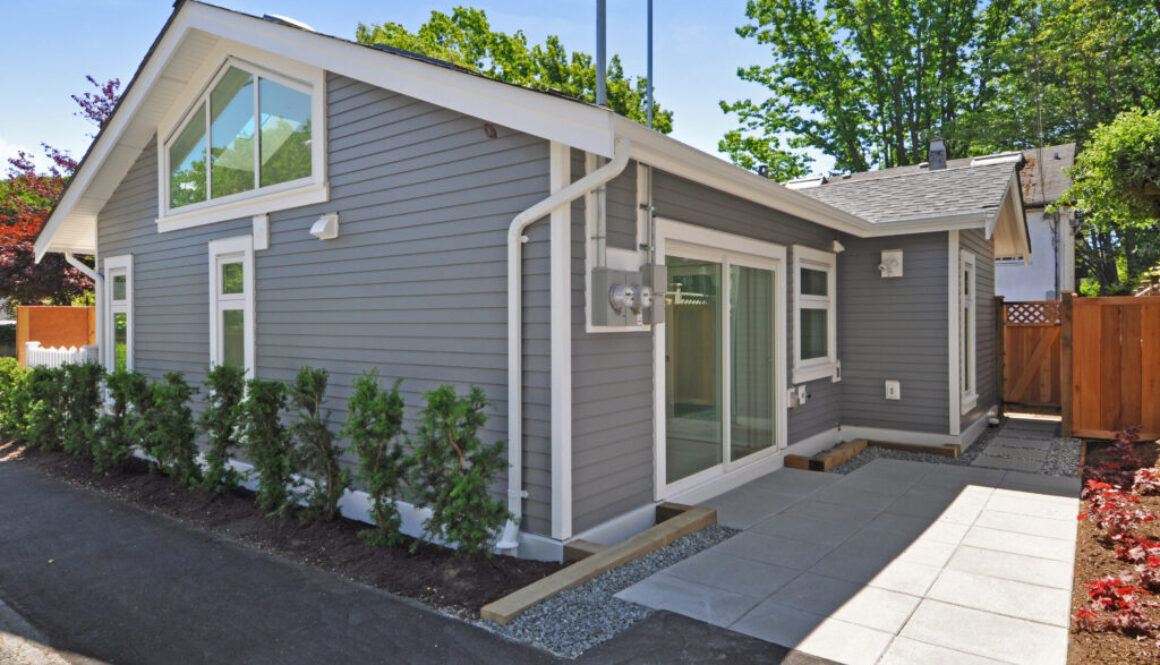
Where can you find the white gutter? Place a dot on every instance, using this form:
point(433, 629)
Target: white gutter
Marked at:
point(509, 539)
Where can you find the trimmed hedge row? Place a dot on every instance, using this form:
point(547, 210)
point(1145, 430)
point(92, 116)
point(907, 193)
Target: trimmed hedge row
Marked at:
point(284, 430)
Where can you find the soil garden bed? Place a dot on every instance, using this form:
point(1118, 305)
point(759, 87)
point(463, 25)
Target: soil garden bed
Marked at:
point(434, 575)
point(1096, 559)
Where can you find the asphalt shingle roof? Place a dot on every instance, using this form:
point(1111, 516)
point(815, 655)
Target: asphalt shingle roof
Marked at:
point(910, 192)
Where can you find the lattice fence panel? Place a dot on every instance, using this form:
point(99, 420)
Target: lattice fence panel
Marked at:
point(1043, 313)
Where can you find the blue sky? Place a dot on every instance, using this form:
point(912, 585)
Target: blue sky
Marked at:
point(696, 52)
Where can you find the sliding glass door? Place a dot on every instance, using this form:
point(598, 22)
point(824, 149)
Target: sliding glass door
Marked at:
point(720, 368)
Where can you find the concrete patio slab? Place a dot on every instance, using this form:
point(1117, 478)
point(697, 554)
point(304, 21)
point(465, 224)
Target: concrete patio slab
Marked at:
point(1007, 463)
point(897, 562)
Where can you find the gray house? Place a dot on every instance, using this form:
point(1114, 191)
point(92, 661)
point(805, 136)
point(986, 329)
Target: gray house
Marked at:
point(650, 322)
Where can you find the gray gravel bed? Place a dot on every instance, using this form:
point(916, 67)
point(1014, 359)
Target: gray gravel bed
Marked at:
point(578, 619)
point(1062, 455)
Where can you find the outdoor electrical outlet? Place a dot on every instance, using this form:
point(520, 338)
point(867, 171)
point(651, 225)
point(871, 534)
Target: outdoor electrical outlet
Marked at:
point(893, 390)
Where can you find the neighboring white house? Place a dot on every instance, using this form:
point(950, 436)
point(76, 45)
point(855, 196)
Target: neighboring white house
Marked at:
point(1050, 270)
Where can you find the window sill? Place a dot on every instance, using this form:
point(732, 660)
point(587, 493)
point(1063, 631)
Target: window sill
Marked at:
point(253, 205)
point(815, 372)
point(969, 402)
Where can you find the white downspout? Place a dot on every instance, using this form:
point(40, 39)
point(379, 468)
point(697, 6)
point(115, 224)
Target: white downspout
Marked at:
point(509, 539)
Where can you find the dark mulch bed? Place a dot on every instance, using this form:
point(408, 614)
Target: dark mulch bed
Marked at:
point(434, 575)
point(1095, 559)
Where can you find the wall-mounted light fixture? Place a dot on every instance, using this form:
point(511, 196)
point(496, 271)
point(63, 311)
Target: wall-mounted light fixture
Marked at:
point(326, 228)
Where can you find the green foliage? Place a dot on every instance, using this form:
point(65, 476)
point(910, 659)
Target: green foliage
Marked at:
point(374, 424)
point(1116, 189)
point(317, 453)
point(45, 426)
point(453, 470)
point(267, 445)
point(7, 336)
point(222, 422)
point(82, 399)
point(170, 435)
point(121, 426)
point(465, 38)
point(13, 397)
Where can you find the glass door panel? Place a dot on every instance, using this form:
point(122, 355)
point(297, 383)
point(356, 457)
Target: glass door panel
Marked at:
point(694, 439)
point(751, 417)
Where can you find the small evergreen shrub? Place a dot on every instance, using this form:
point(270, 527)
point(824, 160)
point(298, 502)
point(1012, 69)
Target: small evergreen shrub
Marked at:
point(13, 396)
point(120, 427)
point(44, 427)
point(453, 470)
point(317, 455)
point(374, 425)
point(170, 435)
point(267, 445)
point(82, 399)
point(222, 422)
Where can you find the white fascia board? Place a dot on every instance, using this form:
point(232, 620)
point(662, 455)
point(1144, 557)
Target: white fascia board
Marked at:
point(583, 126)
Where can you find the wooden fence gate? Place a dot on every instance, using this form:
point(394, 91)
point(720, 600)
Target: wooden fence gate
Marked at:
point(1111, 365)
point(1031, 336)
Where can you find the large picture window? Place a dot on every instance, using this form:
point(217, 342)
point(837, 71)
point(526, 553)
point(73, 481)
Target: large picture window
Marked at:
point(250, 131)
point(968, 332)
point(231, 263)
point(815, 338)
point(118, 294)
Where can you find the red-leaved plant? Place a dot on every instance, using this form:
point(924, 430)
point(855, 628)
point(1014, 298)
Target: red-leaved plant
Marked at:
point(1119, 463)
point(1146, 482)
point(1115, 605)
point(1114, 511)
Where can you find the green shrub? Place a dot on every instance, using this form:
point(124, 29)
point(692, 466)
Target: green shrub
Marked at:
point(453, 470)
point(169, 433)
point(222, 421)
point(13, 396)
point(82, 398)
point(267, 445)
point(121, 426)
point(44, 426)
point(317, 454)
point(374, 424)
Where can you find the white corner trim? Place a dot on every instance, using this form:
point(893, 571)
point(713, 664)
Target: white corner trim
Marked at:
point(272, 199)
point(560, 252)
point(261, 232)
point(243, 247)
point(120, 264)
point(954, 410)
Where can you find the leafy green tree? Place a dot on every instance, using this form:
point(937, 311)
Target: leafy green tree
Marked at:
point(374, 424)
point(1070, 64)
point(1116, 189)
point(465, 39)
point(453, 470)
point(865, 82)
point(170, 434)
point(120, 427)
point(317, 453)
point(82, 389)
point(267, 445)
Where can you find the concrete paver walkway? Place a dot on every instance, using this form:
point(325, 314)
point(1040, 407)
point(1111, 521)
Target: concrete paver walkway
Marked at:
point(896, 563)
point(1022, 445)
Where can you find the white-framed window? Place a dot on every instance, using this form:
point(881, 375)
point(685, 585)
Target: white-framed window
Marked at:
point(253, 141)
point(815, 315)
point(968, 332)
point(231, 307)
point(118, 323)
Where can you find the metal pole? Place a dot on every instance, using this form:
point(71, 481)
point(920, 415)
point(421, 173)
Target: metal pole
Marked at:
point(601, 83)
point(649, 73)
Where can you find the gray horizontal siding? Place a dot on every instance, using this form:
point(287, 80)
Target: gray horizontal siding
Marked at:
point(894, 329)
point(415, 285)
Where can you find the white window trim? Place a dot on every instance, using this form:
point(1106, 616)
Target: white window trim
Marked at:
point(829, 366)
point(292, 194)
point(113, 266)
point(968, 362)
point(731, 249)
point(243, 247)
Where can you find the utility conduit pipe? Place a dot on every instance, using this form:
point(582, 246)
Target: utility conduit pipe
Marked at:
point(509, 539)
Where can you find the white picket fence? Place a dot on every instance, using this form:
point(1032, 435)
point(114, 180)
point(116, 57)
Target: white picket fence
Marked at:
point(37, 356)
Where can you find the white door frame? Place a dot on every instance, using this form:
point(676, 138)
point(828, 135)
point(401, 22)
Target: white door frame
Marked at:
point(727, 249)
